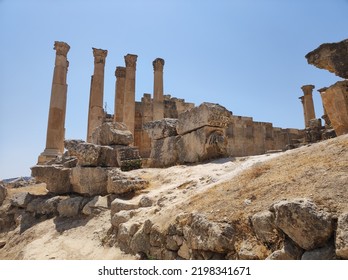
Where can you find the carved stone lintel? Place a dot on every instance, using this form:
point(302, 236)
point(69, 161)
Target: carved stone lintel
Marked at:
point(120, 72)
point(99, 55)
point(131, 60)
point(307, 89)
point(61, 48)
point(158, 64)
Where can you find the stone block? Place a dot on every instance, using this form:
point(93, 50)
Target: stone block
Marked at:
point(263, 225)
point(118, 205)
point(89, 180)
point(207, 114)
point(342, 236)
point(164, 152)
point(120, 182)
point(323, 253)
point(112, 133)
point(21, 200)
point(87, 154)
point(57, 178)
point(160, 129)
point(96, 205)
point(71, 206)
point(128, 158)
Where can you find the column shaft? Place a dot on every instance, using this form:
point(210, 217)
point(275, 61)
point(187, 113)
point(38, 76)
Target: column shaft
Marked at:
point(120, 74)
point(158, 104)
point(308, 105)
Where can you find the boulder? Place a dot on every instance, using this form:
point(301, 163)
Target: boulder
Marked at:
point(160, 129)
point(96, 205)
point(112, 133)
point(342, 236)
point(164, 152)
point(56, 177)
point(120, 182)
point(250, 250)
point(3, 194)
point(335, 101)
point(290, 251)
point(324, 253)
point(89, 180)
point(332, 57)
point(303, 222)
point(22, 200)
point(87, 154)
point(206, 114)
point(118, 205)
point(71, 206)
point(44, 205)
point(121, 217)
point(263, 225)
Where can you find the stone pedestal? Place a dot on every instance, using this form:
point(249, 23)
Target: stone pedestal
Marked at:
point(308, 105)
point(120, 74)
point(129, 92)
point(57, 111)
point(158, 106)
point(96, 112)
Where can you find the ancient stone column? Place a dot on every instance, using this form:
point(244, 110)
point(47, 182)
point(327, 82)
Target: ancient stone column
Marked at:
point(129, 92)
point(158, 105)
point(56, 117)
point(325, 116)
point(308, 105)
point(120, 74)
point(96, 112)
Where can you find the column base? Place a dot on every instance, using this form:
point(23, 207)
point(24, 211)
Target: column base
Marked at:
point(48, 155)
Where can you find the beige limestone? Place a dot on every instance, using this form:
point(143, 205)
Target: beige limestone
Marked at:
point(158, 105)
point(129, 92)
point(335, 100)
point(308, 105)
point(325, 116)
point(120, 74)
point(56, 118)
point(96, 112)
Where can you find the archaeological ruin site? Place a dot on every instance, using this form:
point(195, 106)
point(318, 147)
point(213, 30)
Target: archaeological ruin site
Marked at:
point(125, 170)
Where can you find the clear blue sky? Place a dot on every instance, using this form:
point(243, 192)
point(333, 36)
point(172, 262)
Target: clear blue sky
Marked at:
point(245, 55)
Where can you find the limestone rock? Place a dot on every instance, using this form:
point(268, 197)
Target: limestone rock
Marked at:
point(121, 217)
point(112, 133)
point(71, 207)
point(87, 154)
point(164, 152)
point(335, 101)
point(118, 205)
point(290, 251)
point(249, 250)
point(89, 180)
point(207, 114)
point(120, 182)
point(21, 200)
point(324, 253)
point(263, 225)
point(160, 129)
point(184, 251)
point(306, 225)
point(202, 144)
point(342, 236)
point(57, 178)
point(332, 57)
point(128, 158)
point(145, 201)
point(3, 194)
point(96, 205)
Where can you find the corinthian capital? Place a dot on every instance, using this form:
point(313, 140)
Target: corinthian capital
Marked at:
point(158, 64)
point(130, 60)
point(307, 89)
point(120, 72)
point(99, 55)
point(61, 48)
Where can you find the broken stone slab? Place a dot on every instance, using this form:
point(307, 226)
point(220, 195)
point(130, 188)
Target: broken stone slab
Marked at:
point(56, 178)
point(89, 180)
point(112, 133)
point(164, 152)
point(96, 205)
point(22, 200)
point(3, 194)
point(118, 205)
point(335, 101)
point(341, 241)
point(303, 222)
point(160, 129)
point(202, 144)
point(206, 114)
point(120, 182)
point(71, 207)
point(332, 57)
point(263, 225)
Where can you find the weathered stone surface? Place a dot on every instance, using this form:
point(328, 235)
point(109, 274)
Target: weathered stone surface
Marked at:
point(202, 144)
point(250, 251)
point(112, 133)
point(118, 205)
point(120, 182)
point(21, 200)
point(164, 152)
point(96, 205)
point(87, 154)
point(160, 129)
point(57, 178)
point(306, 225)
point(145, 201)
point(263, 225)
point(89, 180)
point(71, 207)
point(335, 101)
point(324, 253)
point(332, 57)
point(128, 158)
point(342, 236)
point(125, 233)
point(206, 114)
point(121, 217)
point(290, 251)
point(3, 194)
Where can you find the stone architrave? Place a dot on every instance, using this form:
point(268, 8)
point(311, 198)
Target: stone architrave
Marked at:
point(129, 92)
point(158, 105)
point(335, 100)
point(96, 112)
point(120, 74)
point(56, 118)
point(308, 105)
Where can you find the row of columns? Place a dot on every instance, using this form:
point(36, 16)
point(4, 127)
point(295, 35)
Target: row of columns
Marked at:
point(124, 97)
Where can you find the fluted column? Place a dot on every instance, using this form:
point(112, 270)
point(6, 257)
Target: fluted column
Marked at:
point(158, 105)
point(96, 112)
point(56, 117)
point(308, 105)
point(120, 74)
point(129, 92)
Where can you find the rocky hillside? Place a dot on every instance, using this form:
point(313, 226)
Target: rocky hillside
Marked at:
point(288, 205)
